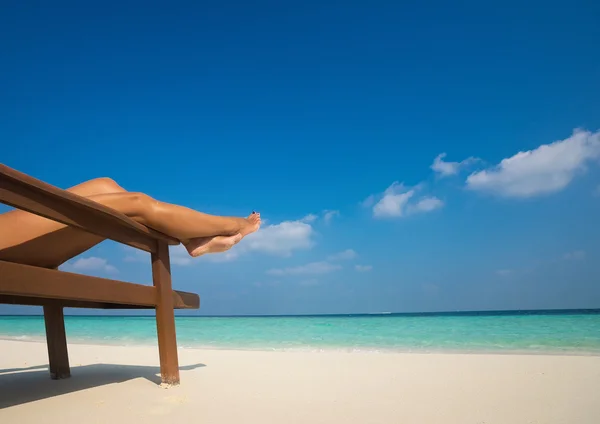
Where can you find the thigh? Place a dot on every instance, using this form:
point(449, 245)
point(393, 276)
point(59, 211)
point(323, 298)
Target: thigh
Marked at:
point(34, 240)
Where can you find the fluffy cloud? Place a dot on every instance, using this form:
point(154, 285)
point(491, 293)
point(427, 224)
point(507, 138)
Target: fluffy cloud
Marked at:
point(316, 268)
point(309, 218)
point(397, 201)
point(343, 256)
point(446, 169)
point(363, 268)
point(329, 215)
point(427, 204)
point(546, 169)
point(393, 203)
point(279, 239)
point(312, 268)
point(91, 263)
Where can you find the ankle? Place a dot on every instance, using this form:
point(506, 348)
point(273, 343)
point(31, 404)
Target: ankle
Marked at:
point(235, 226)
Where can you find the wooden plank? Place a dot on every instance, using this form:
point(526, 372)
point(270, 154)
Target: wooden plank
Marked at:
point(185, 300)
point(41, 301)
point(27, 193)
point(27, 280)
point(165, 317)
point(181, 300)
point(56, 339)
point(30, 281)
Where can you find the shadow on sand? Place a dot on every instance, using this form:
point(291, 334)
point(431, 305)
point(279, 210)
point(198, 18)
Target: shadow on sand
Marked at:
point(22, 385)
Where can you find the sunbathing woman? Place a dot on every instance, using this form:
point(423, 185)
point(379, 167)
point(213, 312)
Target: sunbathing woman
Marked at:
point(34, 240)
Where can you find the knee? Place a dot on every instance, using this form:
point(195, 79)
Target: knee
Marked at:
point(142, 206)
point(107, 185)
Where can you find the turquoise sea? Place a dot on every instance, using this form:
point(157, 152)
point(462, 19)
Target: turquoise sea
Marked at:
point(573, 332)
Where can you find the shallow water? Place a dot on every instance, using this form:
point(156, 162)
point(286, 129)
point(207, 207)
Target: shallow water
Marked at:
point(577, 333)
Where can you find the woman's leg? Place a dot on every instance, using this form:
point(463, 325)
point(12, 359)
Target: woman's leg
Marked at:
point(176, 221)
point(200, 233)
point(29, 238)
point(34, 240)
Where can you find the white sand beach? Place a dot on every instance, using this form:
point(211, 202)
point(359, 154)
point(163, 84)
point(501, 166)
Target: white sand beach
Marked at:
point(121, 384)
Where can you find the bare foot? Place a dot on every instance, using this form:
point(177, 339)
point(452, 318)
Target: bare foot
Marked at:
point(254, 224)
point(202, 245)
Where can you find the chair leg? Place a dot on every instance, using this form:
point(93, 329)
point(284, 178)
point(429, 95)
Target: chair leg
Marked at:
point(165, 316)
point(56, 339)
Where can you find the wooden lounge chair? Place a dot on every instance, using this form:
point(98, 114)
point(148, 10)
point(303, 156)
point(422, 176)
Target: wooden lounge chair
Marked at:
point(53, 289)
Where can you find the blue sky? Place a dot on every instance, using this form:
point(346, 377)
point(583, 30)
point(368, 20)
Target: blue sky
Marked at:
point(416, 157)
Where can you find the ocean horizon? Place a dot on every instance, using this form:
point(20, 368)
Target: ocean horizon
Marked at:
point(575, 311)
point(554, 331)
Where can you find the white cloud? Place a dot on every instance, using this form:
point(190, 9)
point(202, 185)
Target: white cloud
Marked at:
point(546, 169)
point(393, 203)
point(597, 191)
point(363, 268)
point(396, 202)
point(279, 239)
point(311, 268)
point(309, 218)
point(504, 272)
point(343, 256)
point(427, 204)
point(446, 169)
point(92, 263)
point(575, 255)
point(329, 215)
